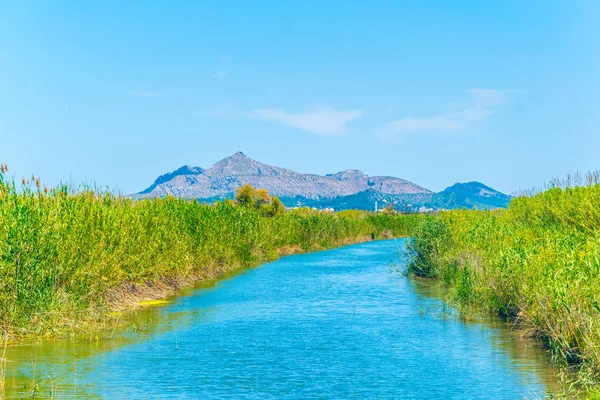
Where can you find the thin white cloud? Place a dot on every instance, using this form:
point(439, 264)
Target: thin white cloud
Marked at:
point(459, 117)
point(142, 93)
point(320, 121)
point(222, 73)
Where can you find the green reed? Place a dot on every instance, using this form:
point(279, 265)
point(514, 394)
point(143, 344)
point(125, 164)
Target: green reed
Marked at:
point(67, 259)
point(536, 263)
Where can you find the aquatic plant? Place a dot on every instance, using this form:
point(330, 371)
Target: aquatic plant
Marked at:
point(536, 263)
point(68, 258)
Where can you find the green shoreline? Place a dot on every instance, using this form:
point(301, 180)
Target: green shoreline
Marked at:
point(123, 317)
point(536, 264)
point(173, 293)
point(116, 328)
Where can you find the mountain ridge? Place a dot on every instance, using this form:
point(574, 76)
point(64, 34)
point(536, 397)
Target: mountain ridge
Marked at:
point(350, 188)
point(229, 173)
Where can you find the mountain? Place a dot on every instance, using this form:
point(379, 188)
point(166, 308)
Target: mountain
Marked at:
point(225, 176)
point(342, 190)
point(469, 195)
point(472, 195)
point(185, 170)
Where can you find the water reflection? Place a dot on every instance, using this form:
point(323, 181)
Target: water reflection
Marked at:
point(527, 355)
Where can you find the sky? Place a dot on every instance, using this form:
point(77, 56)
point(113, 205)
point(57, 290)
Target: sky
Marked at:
point(114, 94)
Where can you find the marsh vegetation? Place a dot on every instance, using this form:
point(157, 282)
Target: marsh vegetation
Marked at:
point(536, 263)
point(70, 258)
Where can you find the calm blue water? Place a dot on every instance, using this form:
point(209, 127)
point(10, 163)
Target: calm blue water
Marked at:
point(329, 325)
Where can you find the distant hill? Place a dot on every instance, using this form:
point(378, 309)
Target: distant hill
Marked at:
point(469, 195)
point(472, 195)
point(343, 190)
point(226, 175)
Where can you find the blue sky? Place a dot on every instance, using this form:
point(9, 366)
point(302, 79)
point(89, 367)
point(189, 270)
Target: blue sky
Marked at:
point(116, 93)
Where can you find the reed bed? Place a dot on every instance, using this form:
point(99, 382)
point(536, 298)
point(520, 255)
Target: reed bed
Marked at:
point(68, 259)
point(536, 263)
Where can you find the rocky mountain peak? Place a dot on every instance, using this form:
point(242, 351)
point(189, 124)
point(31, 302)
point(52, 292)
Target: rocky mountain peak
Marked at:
point(185, 170)
point(239, 164)
point(350, 174)
point(239, 156)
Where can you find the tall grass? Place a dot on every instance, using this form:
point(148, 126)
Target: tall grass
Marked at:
point(536, 263)
point(67, 259)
